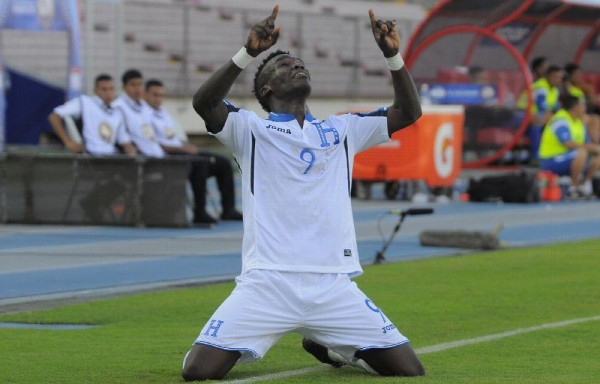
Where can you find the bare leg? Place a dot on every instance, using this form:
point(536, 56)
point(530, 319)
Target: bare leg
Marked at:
point(577, 166)
point(592, 123)
point(204, 362)
point(593, 168)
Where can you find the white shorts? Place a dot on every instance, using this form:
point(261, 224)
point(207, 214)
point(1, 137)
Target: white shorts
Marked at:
point(326, 308)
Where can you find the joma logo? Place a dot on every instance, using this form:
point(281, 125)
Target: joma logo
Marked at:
point(282, 130)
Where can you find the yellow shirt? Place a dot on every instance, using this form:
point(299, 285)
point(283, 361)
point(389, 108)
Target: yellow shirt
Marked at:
point(545, 97)
point(550, 144)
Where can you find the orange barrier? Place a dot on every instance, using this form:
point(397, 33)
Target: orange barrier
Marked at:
point(549, 188)
point(429, 150)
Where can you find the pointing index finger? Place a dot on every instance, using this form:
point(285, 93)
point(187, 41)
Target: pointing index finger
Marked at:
point(275, 11)
point(372, 16)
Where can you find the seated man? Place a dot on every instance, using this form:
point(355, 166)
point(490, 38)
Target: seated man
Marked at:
point(565, 147)
point(545, 104)
point(102, 125)
point(102, 129)
point(218, 166)
point(576, 86)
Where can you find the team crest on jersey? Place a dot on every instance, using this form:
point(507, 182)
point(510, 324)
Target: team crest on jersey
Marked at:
point(147, 131)
point(347, 252)
point(280, 130)
point(170, 133)
point(105, 132)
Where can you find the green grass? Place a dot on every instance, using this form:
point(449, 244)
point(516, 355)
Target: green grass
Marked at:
point(142, 338)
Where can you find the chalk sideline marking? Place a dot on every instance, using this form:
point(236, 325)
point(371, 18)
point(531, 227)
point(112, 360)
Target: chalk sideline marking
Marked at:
point(429, 349)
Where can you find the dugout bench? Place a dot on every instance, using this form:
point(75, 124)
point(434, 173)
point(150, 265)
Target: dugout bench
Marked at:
point(38, 186)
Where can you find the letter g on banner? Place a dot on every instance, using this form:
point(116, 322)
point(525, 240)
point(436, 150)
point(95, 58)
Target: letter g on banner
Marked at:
point(443, 150)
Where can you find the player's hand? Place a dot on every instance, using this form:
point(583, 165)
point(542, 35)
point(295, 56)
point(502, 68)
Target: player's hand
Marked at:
point(263, 34)
point(385, 34)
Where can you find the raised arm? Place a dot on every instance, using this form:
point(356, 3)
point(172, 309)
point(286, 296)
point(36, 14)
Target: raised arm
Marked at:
point(208, 100)
point(406, 108)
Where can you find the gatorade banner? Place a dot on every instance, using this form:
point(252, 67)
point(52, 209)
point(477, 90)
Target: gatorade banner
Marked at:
point(429, 150)
point(43, 15)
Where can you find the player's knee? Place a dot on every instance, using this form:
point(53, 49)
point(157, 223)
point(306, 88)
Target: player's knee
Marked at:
point(400, 361)
point(195, 372)
point(414, 369)
point(404, 370)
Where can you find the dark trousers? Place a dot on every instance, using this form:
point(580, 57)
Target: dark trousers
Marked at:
point(212, 165)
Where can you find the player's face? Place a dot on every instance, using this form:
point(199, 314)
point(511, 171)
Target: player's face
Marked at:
point(134, 89)
point(105, 90)
point(154, 96)
point(287, 75)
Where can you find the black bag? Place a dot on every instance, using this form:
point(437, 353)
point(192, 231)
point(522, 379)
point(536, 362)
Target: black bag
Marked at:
point(509, 188)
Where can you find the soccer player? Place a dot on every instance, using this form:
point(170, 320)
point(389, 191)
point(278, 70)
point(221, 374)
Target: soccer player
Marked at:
point(299, 249)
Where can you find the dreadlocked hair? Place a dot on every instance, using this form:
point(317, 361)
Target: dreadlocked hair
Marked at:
point(263, 100)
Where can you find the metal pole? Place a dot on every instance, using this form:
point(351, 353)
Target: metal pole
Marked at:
point(119, 37)
point(186, 48)
point(89, 46)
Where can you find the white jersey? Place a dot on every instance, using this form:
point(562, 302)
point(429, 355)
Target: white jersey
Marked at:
point(136, 116)
point(296, 187)
point(102, 125)
point(164, 127)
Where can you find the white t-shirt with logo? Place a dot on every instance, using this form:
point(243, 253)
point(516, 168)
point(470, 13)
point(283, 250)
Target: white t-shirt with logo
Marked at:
point(296, 187)
point(136, 116)
point(164, 126)
point(102, 126)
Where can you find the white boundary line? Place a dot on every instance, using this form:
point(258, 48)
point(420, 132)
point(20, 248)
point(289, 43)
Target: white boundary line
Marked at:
point(429, 349)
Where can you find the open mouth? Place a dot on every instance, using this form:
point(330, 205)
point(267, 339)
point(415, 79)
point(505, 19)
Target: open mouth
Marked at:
point(301, 75)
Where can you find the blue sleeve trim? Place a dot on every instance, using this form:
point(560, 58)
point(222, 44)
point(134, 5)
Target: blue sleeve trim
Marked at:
point(540, 102)
point(563, 133)
point(380, 112)
point(230, 107)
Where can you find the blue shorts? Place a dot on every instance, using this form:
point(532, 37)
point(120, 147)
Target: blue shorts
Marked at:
point(561, 164)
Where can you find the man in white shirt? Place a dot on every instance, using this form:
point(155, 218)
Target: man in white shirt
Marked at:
point(102, 125)
point(136, 115)
point(218, 166)
point(102, 129)
point(299, 249)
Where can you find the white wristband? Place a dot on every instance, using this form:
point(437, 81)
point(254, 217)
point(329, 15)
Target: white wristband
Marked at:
point(242, 58)
point(395, 62)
